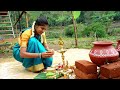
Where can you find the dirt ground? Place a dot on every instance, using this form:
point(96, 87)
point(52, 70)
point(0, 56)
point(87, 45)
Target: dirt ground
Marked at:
point(12, 69)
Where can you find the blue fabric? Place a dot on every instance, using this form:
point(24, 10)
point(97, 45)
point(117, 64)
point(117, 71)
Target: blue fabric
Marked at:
point(16, 52)
point(34, 46)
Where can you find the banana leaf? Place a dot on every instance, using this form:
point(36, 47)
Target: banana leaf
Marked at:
point(44, 75)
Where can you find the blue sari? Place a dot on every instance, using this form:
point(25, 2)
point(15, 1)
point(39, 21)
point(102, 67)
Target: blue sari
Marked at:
point(33, 64)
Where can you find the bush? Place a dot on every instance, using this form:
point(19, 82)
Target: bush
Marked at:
point(69, 31)
point(95, 28)
point(80, 28)
point(53, 34)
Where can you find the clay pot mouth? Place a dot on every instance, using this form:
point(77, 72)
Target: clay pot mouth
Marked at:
point(102, 43)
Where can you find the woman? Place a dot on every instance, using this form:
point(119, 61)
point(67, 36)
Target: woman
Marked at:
point(32, 49)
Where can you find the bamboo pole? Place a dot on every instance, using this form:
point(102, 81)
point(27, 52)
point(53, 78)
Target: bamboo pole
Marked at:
point(26, 16)
point(16, 25)
point(20, 16)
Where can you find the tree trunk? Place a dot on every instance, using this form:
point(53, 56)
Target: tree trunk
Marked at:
point(75, 30)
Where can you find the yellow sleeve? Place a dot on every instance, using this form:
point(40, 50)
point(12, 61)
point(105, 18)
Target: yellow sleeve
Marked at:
point(43, 38)
point(24, 39)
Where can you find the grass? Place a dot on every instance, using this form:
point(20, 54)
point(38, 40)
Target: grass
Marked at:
point(83, 43)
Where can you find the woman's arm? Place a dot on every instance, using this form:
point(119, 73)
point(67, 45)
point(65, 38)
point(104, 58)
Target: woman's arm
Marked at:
point(44, 41)
point(25, 54)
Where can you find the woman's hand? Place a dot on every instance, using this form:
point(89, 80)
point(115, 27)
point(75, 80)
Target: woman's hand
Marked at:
point(47, 54)
point(51, 51)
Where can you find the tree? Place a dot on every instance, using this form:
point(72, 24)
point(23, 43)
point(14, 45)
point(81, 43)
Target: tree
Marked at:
point(75, 15)
point(106, 17)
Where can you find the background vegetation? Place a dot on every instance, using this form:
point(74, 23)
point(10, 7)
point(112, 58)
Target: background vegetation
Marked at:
point(87, 23)
point(91, 26)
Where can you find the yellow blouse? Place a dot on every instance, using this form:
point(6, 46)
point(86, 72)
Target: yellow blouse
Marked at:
point(23, 39)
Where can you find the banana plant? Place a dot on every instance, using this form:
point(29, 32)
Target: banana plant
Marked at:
point(75, 15)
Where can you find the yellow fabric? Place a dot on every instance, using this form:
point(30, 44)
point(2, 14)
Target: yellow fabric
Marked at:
point(43, 38)
point(25, 36)
point(36, 67)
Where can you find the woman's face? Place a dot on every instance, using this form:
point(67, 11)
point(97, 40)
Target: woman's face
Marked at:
point(40, 29)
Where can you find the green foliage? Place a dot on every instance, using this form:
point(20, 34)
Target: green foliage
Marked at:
point(76, 14)
point(88, 16)
point(53, 34)
point(63, 18)
point(95, 29)
point(80, 28)
point(69, 31)
point(103, 16)
point(55, 18)
point(59, 18)
point(81, 18)
point(34, 14)
point(117, 16)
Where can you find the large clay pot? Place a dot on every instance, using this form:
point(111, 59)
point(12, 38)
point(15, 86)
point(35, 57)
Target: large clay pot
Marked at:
point(118, 47)
point(103, 52)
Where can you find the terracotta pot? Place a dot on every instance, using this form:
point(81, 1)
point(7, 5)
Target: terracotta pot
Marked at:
point(103, 52)
point(118, 47)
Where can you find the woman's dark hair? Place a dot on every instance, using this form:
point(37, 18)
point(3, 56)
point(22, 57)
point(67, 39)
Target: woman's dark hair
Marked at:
point(41, 21)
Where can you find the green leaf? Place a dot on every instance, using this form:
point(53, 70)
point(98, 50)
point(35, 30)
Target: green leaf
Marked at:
point(76, 14)
point(50, 74)
point(41, 75)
